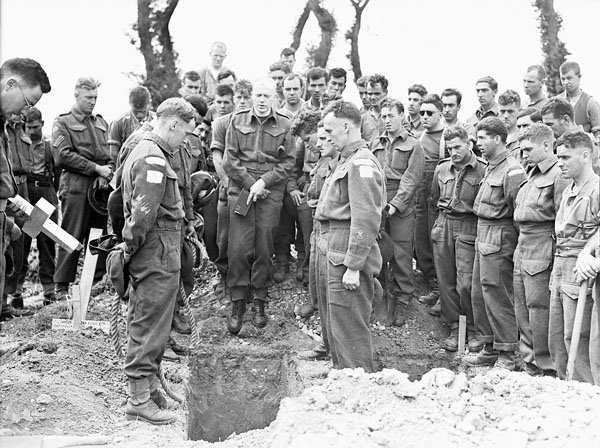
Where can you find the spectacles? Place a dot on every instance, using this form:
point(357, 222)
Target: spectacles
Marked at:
point(429, 113)
point(27, 103)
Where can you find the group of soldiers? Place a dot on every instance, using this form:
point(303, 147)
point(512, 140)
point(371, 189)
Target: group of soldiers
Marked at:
point(499, 213)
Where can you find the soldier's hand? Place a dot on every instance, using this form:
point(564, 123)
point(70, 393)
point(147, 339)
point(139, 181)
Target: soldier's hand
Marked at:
point(190, 230)
point(351, 279)
point(256, 190)
point(126, 251)
point(390, 209)
point(102, 183)
point(104, 171)
point(297, 197)
point(587, 266)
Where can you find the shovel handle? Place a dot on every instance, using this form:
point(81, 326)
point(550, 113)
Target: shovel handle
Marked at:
point(577, 329)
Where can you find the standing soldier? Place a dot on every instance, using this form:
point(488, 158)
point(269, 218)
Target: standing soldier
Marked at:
point(535, 211)
point(492, 289)
point(152, 244)
point(259, 158)
point(41, 183)
point(577, 220)
point(401, 156)
point(80, 140)
point(22, 83)
point(455, 186)
point(348, 257)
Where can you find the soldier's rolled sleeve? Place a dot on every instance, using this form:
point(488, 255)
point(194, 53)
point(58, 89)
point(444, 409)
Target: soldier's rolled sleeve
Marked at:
point(593, 110)
point(366, 204)
point(149, 183)
point(560, 183)
point(435, 188)
point(410, 179)
point(67, 157)
point(287, 159)
point(232, 164)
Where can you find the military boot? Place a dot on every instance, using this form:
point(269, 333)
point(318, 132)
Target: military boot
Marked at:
point(401, 311)
point(259, 319)
point(281, 269)
point(451, 342)
point(507, 361)
point(235, 321)
point(486, 357)
point(140, 405)
point(181, 324)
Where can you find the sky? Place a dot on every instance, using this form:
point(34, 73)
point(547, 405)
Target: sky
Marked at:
point(438, 43)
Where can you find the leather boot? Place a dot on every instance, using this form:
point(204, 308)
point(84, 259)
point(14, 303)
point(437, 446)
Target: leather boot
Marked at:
point(486, 357)
point(181, 324)
point(149, 412)
point(259, 319)
point(281, 269)
point(235, 321)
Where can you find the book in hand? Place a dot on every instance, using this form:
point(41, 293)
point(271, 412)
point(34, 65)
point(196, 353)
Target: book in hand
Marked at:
point(241, 206)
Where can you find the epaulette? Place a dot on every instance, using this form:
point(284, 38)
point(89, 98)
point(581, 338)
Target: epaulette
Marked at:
point(445, 159)
point(64, 115)
point(482, 160)
point(282, 114)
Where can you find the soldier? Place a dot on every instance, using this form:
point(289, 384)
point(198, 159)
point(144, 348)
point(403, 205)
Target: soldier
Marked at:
point(533, 84)
point(509, 105)
point(22, 83)
point(191, 84)
point(80, 140)
point(492, 288)
point(413, 123)
point(152, 243)
point(426, 213)
point(348, 257)
point(208, 75)
point(361, 85)
point(316, 86)
point(487, 88)
point(577, 220)
point(259, 159)
point(455, 185)
point(122, 128)
point(401, 156)
point(371, 125)
point(586, 108)
point(41, 183)
point(535, 211)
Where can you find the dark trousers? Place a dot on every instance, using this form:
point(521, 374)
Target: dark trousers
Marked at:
point(564, 293)
point(533, 266)
point(209, 213)
point(347, 312)
point(425, 217)
point(154, 269)
point(400, 228)
point(77, 219)
point(492, 288)
point(222, 261)
point(3, 247)
point(17, 247)
point(46, 247)
point(305, 221)
point(251, 241)
point(286, 231)
point(454, 254)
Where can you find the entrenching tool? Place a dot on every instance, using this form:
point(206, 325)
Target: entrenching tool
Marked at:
point(581, 299)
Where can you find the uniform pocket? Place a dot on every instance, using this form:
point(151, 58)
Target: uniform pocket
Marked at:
point(336, 258)
point(533, 267)
point(488, 249)
point(171, 256)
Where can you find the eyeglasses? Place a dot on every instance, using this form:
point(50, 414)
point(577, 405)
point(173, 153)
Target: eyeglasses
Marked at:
point(429, 113)
point(27, 103)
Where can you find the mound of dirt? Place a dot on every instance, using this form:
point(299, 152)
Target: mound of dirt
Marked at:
point(385, 409)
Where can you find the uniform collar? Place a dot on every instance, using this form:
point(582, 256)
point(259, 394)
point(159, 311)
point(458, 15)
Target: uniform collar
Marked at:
point(352, 148)
point(160, 142)
point(498, 159)
point(471, 162)
point(545, 165)
point(414, 123)
point(263, 119)
point(403, 135)
point(494, 110)
point(80, 116)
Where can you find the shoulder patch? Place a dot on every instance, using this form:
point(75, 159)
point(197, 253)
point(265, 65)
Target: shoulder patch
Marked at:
point(515, 172)
point(153, 160)
point(365, 171)
point(154, 177)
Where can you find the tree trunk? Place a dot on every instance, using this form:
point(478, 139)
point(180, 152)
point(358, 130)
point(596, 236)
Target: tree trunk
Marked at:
point(157, 48)
point(554, 50)
point(352, 36)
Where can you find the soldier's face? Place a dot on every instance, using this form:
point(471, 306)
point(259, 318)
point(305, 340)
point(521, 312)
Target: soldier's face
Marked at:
point(316, 87)
point(392, 119)
point(508, 114)
point(217, 56)
point(223, 105)
point(532, 152)
point(261, 98)
point(523, 123)
point(570, 81)
point(292, 91)
point(18, 97)
point(572, 161)
point(362, 91)
point(85, 99)
point(451, 108)
point(459, 150)
point(204, 130)
point(242, 102)
point(34, 129)
point(336, 87)
point(277, 76)
point(559, 125)
point(531, 84)
point(179, 130)
point(376, 94)
point(430, 115)
point(488, 144)
point(190, 87)
point(414, 103)
point(324, 145)
point(140, 113)
point(337, 129)
point(485, 94)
